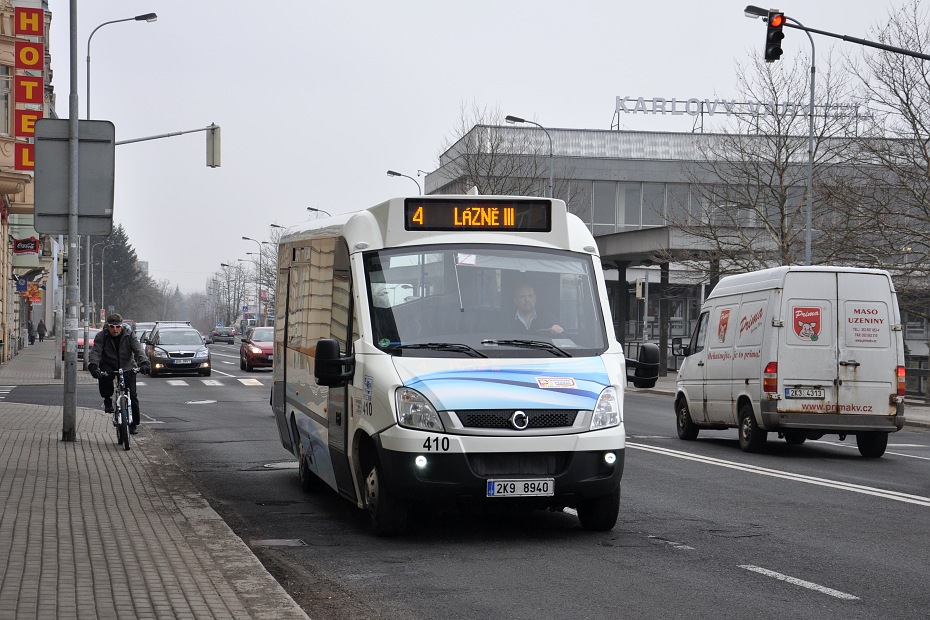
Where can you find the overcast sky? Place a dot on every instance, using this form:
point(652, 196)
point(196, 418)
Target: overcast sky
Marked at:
point(318, 100)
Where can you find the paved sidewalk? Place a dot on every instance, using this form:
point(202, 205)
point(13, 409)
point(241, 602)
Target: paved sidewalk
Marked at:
point(89, 530)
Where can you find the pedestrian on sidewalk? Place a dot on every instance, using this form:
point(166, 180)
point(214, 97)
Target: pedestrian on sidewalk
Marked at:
point(31, 330)
point(116, 348)
point(42, 330)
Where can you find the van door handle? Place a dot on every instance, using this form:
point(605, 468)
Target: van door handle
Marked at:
point(700, 363)
point(853, 363)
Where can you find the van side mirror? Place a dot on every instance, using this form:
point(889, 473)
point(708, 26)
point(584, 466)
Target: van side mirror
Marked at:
point(680, 349)
point(330, 368)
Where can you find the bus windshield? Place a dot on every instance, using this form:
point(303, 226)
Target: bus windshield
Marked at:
point(484, 301)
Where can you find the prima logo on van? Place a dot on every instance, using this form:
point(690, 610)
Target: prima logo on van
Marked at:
point(724, 322)
point(806, 323)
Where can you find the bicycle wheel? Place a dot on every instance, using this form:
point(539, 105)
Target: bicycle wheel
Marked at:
point(124, 420)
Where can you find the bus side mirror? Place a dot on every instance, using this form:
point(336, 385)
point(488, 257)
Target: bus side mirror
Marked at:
point(330, 368)
point(679, 349)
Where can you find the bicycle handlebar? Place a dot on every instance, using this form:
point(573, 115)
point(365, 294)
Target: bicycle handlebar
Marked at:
point(134, 371)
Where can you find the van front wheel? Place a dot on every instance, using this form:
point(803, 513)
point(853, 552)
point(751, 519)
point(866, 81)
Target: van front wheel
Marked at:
point(751, 437)
point(872, 445)
point(687, 429)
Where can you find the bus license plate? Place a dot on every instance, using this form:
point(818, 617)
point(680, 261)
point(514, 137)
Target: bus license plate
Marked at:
point(805, 393)
point(521, 488)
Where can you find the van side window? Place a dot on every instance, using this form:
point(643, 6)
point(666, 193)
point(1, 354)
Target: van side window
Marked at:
point(700, 333)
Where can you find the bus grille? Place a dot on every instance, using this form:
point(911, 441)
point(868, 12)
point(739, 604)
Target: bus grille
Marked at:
point(521, 464)
point(500, 418)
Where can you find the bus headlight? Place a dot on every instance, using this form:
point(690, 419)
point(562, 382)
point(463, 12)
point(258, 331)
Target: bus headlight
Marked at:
point(607, 412)
point(415, 411)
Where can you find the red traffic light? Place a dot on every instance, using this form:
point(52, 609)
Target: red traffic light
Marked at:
point(777, 20)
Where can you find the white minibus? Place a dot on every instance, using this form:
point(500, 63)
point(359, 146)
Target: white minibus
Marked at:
point(450, 350)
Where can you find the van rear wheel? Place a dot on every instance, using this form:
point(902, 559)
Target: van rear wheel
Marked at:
point(872, 445)
point(687, 429)
point(751, 436)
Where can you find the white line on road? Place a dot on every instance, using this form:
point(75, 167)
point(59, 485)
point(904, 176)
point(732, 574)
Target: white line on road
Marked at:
point(225, 374)
point(800, 582)
point(763, 471)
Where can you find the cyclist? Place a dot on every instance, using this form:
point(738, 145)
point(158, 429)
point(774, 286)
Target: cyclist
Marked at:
point(117, 347)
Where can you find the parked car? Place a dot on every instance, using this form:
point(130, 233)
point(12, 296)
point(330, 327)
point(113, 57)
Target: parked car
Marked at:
point(80, 342)
point(177, 348)
point(224, 334)
point(257, 348)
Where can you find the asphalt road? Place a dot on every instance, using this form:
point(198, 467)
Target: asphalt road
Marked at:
point(705, 530)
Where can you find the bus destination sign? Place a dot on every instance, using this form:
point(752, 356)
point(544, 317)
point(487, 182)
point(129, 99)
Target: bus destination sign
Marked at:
point(478, 215)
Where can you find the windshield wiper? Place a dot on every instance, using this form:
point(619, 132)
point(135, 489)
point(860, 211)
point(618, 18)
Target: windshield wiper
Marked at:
point(439, 346)
point(530, 344)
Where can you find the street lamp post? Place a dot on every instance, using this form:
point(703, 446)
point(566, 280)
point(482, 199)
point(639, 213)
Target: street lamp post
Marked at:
point(260, 252)
point(754, 12)
point(103, 253)
point(391, 173)
point(146, 17)
point(517, 119)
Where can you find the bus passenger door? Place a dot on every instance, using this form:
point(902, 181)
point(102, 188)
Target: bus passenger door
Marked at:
point(342, 328)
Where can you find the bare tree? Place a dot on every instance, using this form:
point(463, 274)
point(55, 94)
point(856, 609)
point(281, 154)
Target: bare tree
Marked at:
point(749, 201)
point(483, 151)
point(895, 152)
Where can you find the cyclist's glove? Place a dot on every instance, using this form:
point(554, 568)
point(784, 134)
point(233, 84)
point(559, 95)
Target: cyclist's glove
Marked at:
point(94, 370)
point(146, 368)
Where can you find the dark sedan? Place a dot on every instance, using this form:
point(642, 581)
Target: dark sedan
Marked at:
point(224, 334)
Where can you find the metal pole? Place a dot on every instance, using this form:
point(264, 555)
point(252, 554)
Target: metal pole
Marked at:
point(810, 152)
point(69, 409)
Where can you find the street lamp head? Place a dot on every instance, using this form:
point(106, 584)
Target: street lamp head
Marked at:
point(315, 210)
point(754, 12)
point(249, 239)
point(276, 226)
point(224, 265)
point(514, 119)
point(148, 17)
point(391, 173)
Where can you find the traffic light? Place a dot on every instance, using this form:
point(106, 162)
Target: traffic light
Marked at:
point(774, 35)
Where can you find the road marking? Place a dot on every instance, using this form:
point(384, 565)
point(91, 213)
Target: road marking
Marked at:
point(225, 374)
point(800, 582)
point(840, 444)
point(200, 402)
point(763, 471)
point(211, 382)
point(176, 382)
point(250, 382)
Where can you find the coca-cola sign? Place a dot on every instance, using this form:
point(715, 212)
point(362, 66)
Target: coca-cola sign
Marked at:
point(26, 246)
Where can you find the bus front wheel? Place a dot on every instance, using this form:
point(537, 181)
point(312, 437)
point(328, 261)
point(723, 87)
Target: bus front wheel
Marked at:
point(600, 513)
point(388, 514)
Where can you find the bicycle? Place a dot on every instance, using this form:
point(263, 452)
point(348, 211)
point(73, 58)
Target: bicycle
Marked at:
point(122, 407)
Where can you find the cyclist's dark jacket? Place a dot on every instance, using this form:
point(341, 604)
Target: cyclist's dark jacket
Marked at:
point(112, 352)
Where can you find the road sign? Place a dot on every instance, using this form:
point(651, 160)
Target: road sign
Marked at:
point(96, 163)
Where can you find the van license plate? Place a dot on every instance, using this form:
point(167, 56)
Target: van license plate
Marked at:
point(521, 488)
point(805, 393)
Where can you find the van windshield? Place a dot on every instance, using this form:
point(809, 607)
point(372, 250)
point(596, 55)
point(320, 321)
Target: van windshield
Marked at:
point(498, 301)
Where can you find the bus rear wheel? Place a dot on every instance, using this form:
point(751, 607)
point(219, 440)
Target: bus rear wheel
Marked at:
point(388, 514)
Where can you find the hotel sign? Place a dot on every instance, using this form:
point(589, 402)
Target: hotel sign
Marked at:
point(29, 82)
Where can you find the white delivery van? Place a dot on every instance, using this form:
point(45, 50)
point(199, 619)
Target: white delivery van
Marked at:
point(800, 351)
